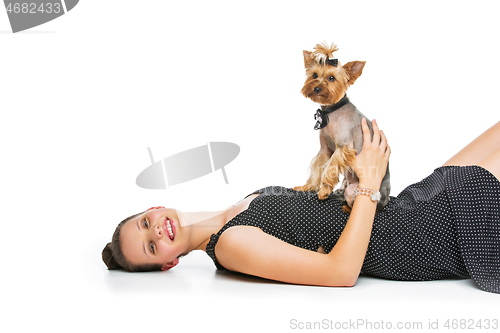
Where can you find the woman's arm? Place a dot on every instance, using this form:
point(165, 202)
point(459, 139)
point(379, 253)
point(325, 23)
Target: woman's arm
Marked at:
point(370, 166)
point(249, 250)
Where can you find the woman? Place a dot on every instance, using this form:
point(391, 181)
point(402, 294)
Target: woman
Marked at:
point(446, 226)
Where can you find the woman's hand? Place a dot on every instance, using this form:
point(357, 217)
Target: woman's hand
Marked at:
point(371, 164)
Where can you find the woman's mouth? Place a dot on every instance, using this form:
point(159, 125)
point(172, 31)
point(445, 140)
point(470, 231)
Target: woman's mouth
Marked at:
point(169, 228)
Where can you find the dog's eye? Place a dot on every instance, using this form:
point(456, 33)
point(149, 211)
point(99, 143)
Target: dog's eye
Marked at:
point(331, 78)
point(315, 76)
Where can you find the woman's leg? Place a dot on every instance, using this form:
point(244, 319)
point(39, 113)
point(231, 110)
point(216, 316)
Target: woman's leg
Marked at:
point(492, 163)
point(479, 149)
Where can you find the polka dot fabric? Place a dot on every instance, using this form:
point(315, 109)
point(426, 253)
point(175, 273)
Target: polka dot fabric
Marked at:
point(446, 226)
point(475, 200)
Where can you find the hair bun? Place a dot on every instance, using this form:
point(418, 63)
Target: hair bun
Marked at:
point(107, 257)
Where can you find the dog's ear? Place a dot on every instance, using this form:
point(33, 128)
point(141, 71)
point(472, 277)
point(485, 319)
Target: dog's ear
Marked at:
point(354, 69)
point(308, 62)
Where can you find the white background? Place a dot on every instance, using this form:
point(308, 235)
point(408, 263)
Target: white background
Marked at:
point(83, 96)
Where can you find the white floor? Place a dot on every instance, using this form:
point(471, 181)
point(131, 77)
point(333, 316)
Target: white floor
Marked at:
point(83, 96)
point(195, 296)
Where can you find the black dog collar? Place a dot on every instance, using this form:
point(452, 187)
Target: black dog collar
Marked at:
point(321, 116)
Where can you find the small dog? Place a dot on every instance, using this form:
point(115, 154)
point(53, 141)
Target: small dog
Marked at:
point(339, 121)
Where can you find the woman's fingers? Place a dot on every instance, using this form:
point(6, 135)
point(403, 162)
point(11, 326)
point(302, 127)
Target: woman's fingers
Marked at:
point(371, 163)
point(383, 142)
point(367, 140)
point(384, 146)
point(376, 133)
point(366, 133)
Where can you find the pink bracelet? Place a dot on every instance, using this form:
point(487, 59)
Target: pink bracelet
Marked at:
point(374, 195)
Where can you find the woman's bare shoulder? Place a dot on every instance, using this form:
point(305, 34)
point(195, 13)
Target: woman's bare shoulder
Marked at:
point(240, 206)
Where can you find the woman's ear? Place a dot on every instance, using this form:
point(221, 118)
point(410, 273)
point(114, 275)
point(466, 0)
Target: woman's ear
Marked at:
point(170, 264)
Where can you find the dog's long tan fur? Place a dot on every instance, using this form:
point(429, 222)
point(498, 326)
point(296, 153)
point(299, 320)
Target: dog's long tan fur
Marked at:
point(338, 164)
point(325, 172)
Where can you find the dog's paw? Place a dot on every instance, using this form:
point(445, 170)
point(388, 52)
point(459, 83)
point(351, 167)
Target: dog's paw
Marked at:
point(304, 188)
point(324, 192)
point(346, 209)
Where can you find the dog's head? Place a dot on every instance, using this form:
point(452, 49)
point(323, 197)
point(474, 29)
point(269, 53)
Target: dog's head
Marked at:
point(327, 81)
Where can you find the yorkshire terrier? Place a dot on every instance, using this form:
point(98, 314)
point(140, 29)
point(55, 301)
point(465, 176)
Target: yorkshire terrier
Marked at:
point(339, 122)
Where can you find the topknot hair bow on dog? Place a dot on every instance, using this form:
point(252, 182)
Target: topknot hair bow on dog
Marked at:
point(323, 54)
point(331, 62)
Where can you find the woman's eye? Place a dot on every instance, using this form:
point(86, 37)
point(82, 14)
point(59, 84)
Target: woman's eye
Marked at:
point(331, 78)
point(145, 223)
point(315, 76)
point(152, 247)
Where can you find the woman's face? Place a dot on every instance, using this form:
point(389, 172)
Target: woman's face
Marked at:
point(155, 237)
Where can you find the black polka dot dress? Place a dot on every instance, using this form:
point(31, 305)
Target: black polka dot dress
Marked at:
point(445, 226)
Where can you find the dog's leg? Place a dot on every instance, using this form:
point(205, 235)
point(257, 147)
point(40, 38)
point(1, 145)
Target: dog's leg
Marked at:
point(346, 209)
point(315, 170)
point(385, 190)
point(341, 195)
point(329, 177)
point(317, 167)
point(338, 164)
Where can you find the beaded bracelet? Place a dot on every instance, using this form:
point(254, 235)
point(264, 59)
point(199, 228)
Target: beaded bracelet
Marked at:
point(374, 195)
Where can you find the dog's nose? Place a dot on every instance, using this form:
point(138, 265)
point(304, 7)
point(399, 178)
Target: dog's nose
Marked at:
point(317, 90)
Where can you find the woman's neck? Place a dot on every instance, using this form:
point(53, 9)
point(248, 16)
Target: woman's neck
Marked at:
point(202, 225)
point(200, 217)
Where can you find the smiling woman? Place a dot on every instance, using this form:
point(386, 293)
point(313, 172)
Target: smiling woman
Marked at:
point(152, 238)
point(157, 238)
point(113, 257)
point(446, 226)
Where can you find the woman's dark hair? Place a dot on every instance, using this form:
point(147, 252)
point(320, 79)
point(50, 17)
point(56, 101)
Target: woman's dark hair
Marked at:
point(113, 257)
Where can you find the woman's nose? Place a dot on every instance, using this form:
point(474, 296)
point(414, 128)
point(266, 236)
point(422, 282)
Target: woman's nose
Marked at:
point(158, 231)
